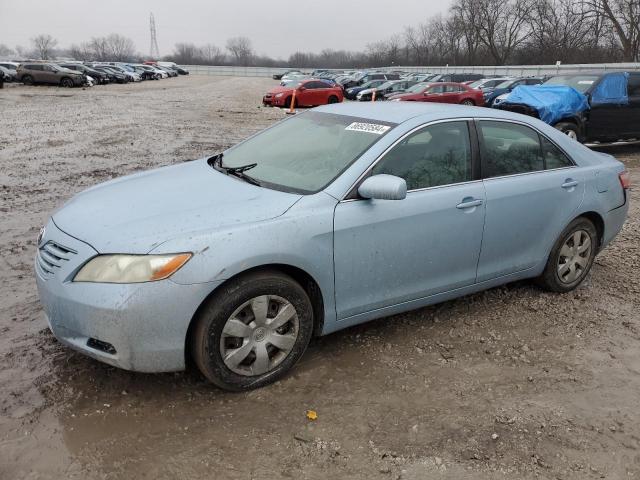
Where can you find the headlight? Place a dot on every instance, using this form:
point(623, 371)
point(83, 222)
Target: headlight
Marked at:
point(278, 95)
point(131, 268)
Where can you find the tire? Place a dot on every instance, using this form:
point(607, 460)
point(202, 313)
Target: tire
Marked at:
point(211, 342)
point(27, 79)
point(555, 276)
point(333, 99)
point(468, 102)
point(66, 82)
point(569, 129)
point(287, 103)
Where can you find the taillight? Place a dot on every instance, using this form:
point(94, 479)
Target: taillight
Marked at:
point(625, 180)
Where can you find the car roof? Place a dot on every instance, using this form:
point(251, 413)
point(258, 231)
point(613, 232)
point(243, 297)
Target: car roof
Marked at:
point(399, 112)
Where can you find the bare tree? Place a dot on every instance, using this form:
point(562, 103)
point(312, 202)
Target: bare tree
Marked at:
point(119, 48)
point(240, 49)
point(501, 26)
point(5, 51)
point(44, 45)
point(624, 17)
point(212, 54)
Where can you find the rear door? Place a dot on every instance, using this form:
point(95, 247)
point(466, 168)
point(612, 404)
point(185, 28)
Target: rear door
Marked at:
point(533, 190)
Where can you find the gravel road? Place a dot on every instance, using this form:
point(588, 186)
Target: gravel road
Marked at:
point(510, 383)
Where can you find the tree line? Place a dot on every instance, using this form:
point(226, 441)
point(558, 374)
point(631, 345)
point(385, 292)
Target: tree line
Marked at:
point(472, 32)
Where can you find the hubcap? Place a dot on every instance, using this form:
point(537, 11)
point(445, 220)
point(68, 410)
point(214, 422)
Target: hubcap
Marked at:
point(574, 257)
point(259, 335)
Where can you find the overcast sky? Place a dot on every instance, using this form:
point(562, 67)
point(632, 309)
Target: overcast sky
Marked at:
point(276, 27)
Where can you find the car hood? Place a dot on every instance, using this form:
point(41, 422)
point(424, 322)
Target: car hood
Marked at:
point(136, 213)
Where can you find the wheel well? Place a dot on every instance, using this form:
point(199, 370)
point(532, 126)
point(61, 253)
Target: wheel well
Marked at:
point(305, 280)
point(597, 220)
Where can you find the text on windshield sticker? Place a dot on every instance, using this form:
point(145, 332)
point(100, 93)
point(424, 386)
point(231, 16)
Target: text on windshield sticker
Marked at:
point(368, 128)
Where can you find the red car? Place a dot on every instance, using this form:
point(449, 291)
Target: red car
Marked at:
point(442, 92)
point(309, 93)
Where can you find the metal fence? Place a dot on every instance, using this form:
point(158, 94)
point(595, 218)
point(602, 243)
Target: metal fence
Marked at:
point(514, 70)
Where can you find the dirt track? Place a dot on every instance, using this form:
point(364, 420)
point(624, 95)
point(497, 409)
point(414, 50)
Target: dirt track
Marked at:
point(509, 383)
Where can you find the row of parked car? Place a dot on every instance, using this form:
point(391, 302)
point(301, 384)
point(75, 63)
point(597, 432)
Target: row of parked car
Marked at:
point(590, 107)
point(77, 74)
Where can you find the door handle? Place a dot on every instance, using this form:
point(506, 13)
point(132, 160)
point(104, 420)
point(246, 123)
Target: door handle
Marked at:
point(569, 183)
point(469, 203)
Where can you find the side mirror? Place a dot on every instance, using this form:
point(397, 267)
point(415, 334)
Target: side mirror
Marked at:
point(383, 187)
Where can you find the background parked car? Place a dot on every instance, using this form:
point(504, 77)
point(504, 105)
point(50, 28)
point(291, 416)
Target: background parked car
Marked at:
point(8, 75)
point(278, 76)
point(49, 73)
point(391, 87)
point(308, 93)
point(486, 84)
point(114, 75)
point(99, 77)
point(610, 110)
point(507, 86)
point(352, 93)
point(442, 93)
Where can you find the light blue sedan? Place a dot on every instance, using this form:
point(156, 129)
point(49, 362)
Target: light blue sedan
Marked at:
point(331, 218)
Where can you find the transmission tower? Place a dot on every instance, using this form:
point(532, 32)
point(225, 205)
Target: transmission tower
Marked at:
point(154, 50)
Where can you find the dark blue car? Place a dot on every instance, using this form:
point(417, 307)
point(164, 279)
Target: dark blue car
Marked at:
point(352, 92)
point(508, 86)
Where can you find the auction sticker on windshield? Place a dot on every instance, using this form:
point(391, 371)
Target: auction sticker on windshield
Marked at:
point(368, 128)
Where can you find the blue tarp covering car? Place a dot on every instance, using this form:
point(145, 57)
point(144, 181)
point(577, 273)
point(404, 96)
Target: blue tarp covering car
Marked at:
point(612, 89)
point(551, 102)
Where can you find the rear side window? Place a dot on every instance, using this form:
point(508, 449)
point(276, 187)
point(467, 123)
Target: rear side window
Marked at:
point(553, 156)
point(436, 155)
point(509, 149)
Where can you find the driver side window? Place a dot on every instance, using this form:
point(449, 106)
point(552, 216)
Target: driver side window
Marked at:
point(436, 155)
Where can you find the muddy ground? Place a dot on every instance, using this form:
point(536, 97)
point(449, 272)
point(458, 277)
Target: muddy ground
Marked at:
point(509, 383)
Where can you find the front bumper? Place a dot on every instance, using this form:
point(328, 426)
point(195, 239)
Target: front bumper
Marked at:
point(144, 325)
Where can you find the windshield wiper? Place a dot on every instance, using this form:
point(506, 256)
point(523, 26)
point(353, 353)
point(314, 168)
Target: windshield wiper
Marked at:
point(236, 171)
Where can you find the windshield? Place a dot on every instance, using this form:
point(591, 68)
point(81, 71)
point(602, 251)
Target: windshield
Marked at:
point(307, 152)
point(417, 88)
point(386, 85)
point(582, 83)
point(505, 84)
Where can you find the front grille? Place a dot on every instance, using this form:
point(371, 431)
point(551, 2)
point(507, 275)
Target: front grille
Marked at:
point(52, 256)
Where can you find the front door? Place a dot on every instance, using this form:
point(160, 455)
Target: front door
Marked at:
point(389, 252)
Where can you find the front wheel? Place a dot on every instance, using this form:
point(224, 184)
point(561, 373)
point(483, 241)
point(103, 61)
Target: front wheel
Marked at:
point(572, 257)
point(569, 129)
point(66, 82)
point(252, 331)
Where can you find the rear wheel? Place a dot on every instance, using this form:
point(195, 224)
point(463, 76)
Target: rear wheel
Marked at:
point(468, 102)
point(27, 79)
point(252, 331)
point(333, 99)
point(569, 129)
point(571, 258)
